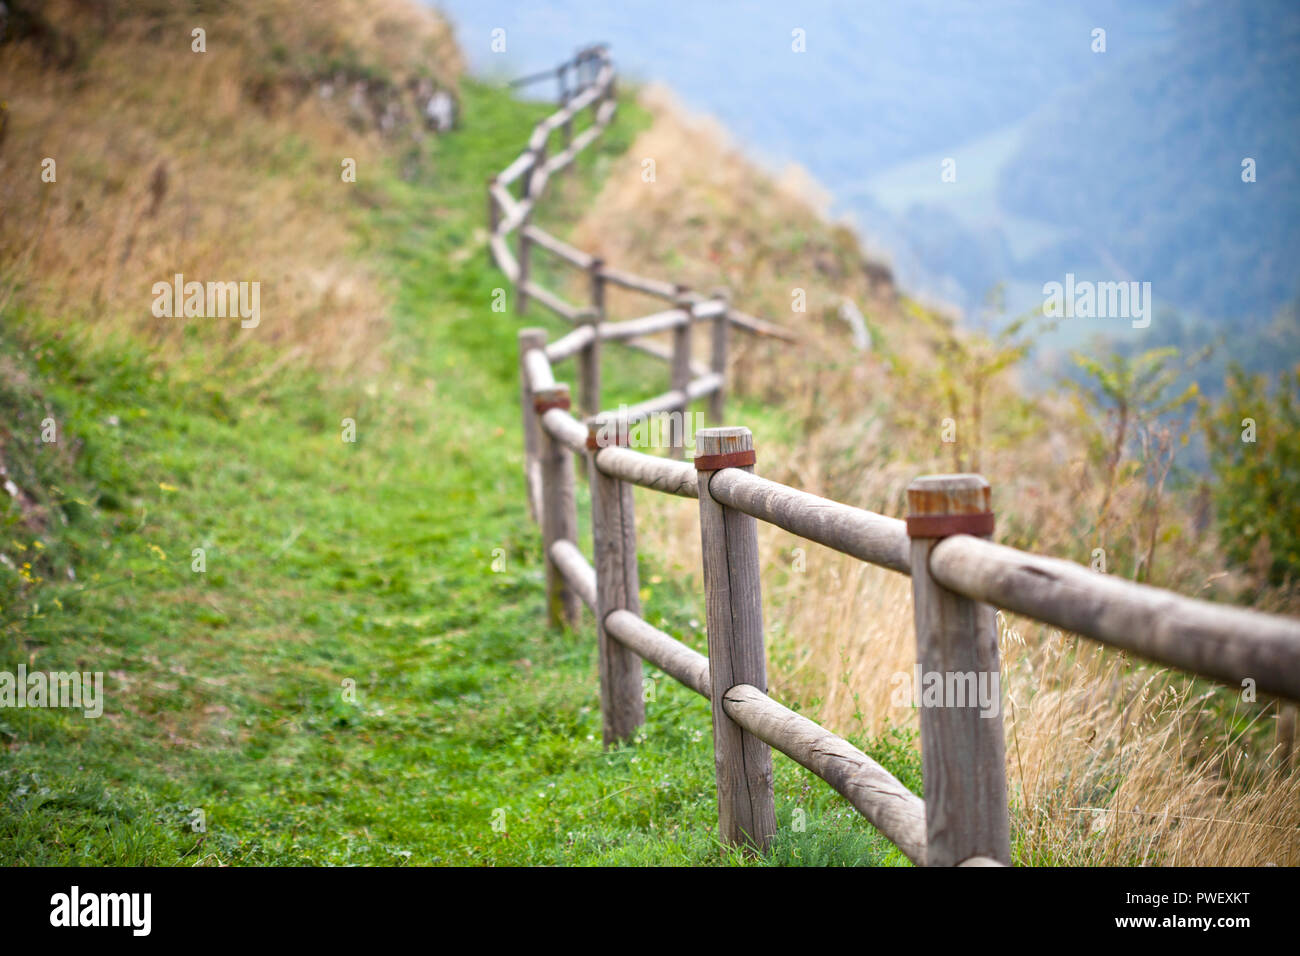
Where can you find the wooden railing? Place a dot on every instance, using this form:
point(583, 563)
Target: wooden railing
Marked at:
point(958, 574)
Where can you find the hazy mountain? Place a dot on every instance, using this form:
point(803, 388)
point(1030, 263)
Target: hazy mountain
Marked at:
point(1122, 164)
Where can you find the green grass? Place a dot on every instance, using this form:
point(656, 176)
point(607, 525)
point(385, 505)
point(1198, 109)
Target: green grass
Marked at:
point(329, 562)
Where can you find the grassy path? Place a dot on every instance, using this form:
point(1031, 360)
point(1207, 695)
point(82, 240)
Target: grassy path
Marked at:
point(330, 562)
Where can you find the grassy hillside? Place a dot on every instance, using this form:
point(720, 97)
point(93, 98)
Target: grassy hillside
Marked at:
point(325, 561)
point(1094, 738)
point(335, 650)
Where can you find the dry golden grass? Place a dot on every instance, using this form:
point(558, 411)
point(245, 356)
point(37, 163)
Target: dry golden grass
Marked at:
point(1109, 760)
point(222, 166)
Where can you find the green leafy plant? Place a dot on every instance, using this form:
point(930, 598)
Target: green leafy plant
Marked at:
point(1253, 438)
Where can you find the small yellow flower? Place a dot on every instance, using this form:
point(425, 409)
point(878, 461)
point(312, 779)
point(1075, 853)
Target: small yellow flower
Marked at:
point(166, 487)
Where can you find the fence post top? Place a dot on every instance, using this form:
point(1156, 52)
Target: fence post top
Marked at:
point(721, 292)
point(597, 263)
point(942, 505)
point(532, 337)
point(723, 441)
point(557, 395)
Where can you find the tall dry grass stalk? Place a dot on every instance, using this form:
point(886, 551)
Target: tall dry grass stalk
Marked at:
point(1109, 760)
point(222, 166)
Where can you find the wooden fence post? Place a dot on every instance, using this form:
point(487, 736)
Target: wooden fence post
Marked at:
point(522, 257)
point(681, 376)
point(734, 613)
point(613, 533)
point(494, 217)
point(525, 245)
point(530, 339)
point(589, 356)
point(963, 758)
point(559, 509)
point(718, 357)
point(563, 73)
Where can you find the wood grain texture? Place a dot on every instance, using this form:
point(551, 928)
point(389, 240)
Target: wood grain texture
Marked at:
point(531, 340)
point(853, 531)
point(685, 665)
point(963, 756)
point(613, 532)
point(559, 516)
point(1226, 643)
point(892, 809)
point(734, 610)
point(648, 471)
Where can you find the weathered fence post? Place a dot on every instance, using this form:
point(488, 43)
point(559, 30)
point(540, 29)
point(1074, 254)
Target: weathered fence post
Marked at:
point(613, 533)
point(530, 339)
point(562, 73)
point(525, 244)
point(559, 508)
point(718, 356)
point(523, 257)
point(589, 356)
point(494, 217)
point(963, 759)
point(734, 613)
point(681, 376)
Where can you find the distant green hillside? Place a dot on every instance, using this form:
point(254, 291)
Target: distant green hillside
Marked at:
point(1143, 164)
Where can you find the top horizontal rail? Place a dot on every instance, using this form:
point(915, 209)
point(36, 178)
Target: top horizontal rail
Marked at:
point(1229, 644)
point(590, 53)
point(853, 531)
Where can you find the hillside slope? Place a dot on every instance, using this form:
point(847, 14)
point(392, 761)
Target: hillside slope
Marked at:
point(314, 650)
point(333, 648)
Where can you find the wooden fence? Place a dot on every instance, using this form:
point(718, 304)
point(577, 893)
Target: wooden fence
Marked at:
point(958, 574)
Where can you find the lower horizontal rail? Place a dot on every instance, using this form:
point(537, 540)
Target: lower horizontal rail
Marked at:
point(552, 301)
point(876, 793)
point(566, 429)
point(579, 574)
point(505, 261)
point(681, 663)
point(760, 326)
point(655, 287)
point(665, 353)
point(558, 247)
